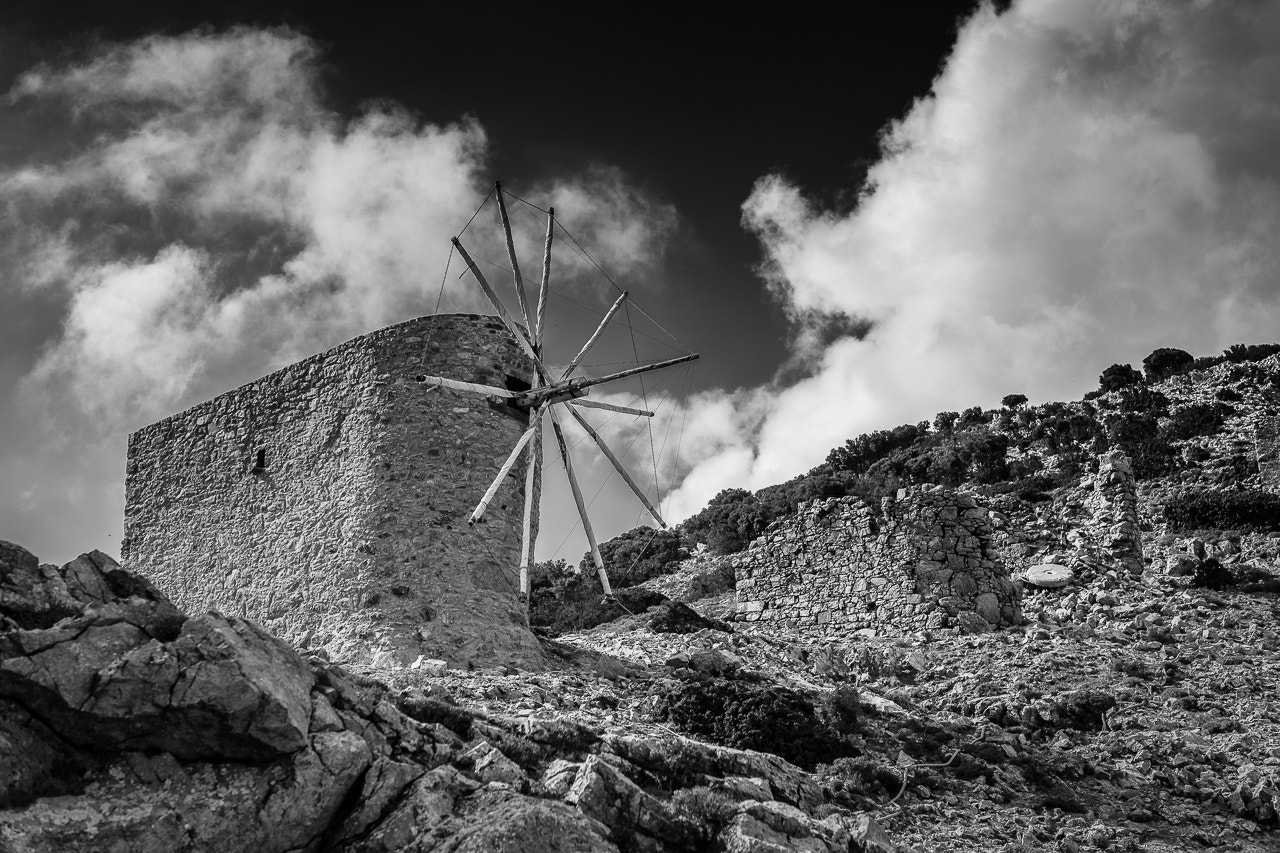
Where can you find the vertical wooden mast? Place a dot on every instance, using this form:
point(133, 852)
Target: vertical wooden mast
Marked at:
point(532, 498)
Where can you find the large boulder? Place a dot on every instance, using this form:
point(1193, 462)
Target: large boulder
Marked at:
point(112, 678)
point(138, 803)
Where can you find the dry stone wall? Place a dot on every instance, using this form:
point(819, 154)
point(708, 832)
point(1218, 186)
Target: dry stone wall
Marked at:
point(922, 560)
point(328, 501)
point(1266, 440)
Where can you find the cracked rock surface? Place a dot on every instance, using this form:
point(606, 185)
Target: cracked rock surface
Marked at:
point(126, 725)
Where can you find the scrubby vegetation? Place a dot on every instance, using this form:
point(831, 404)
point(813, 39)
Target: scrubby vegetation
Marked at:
point(747, 715)
point(1020, 450)
point(563, 598)
point(1244, 510)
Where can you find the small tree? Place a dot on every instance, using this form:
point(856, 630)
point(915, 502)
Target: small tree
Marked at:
point(1119, 376)
point(945, 421)
point(972, 417)
point(1013, 401)
point(1166, 362)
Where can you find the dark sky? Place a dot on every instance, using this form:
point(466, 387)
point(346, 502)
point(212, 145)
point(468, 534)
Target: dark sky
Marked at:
point(196, 196)
point(692, 109)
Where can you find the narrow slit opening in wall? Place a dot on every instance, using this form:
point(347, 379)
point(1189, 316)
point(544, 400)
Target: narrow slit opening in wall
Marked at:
point(260, 460)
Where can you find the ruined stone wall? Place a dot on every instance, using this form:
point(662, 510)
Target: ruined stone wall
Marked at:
point(353, 536)
point(924, 560)
point(1113, 528)
point(1092, 528)
point(1266, 441)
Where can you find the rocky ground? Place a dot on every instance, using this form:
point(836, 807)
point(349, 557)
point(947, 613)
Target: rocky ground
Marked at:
point(1127, 715)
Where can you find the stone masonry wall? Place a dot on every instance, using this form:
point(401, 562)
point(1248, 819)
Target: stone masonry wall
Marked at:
point(353, 536)
point(924, 560)
point(1093, 528)
point(1266, 441)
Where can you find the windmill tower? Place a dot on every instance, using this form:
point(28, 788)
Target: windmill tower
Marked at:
point(329, 501)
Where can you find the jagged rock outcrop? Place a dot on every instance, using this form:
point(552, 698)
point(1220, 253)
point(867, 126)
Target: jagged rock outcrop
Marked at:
point(126, 725)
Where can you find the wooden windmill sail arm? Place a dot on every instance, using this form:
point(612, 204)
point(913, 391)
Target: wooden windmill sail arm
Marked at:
point(632, 371)
point(582, 507)
point(595, 336)
point(469, 387)
point(538, 330)
point(502, 311)
point(617, 466)
point(573, 388)
point(623, 410)
point(502, 475)
point(521, 296)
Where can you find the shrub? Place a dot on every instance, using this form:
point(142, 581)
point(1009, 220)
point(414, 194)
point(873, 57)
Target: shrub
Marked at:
point(945, 421)
point(1166, 362)
point(746, 715)
point(1138, 435)
point(1204, 362)
point(729, 522)
point(427, 709)
point(1211, 574)
point(1140, 398)
point(1240, 353)
point(1119, 376)
point(1013, 401)
point(859, 454)
point(638, 555)
point(1245, 510)
point(972, 417)
point(1198, 419)
point(706, 805)
point(673, 617)
point(562, 599)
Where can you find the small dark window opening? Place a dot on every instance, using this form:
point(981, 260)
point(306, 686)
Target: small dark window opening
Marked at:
point(260, 462)
point(516, 384)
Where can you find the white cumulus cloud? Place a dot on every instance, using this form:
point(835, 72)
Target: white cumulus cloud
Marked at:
point(1086, 181)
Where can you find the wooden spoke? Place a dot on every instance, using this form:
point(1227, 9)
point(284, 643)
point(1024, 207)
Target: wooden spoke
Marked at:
point(582, 507)
point(595, 336)
point(502, 474)
point(587, 383)
point(469, 387)
point(521, 296)
point(623, 410)
point(538, 331)
point(617, 466)
point(498, 306)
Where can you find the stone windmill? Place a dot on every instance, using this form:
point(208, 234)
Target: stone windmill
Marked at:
point(326, 501)
point(550, 396)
